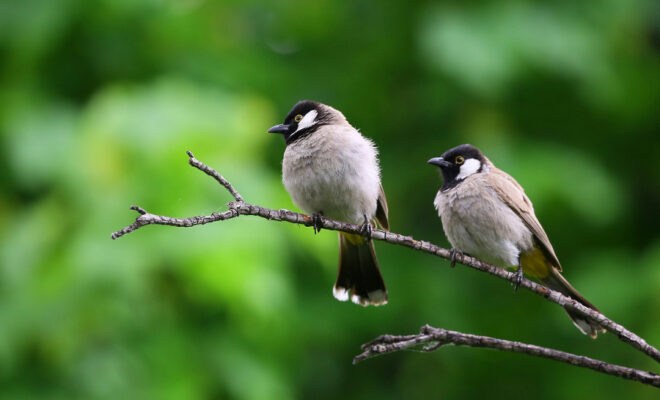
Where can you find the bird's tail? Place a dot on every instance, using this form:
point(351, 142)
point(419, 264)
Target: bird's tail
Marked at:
point(359, 277)
point(557, 282)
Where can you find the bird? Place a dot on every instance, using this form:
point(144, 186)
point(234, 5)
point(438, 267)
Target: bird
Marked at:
point(485, 213)
point(331, 171)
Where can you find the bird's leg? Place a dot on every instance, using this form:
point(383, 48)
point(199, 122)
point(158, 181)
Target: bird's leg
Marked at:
point(317, 221)
point(366, 228)
point(519, 278)
point(453, 253)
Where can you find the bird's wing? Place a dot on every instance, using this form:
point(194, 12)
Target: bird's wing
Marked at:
point(381, 210)
point(514, 196)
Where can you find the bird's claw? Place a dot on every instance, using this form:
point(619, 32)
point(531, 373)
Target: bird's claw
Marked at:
point(518, 279)
point(366, 229)
point(317, 222)
point(453, 253)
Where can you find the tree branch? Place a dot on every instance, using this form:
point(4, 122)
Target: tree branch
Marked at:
point(435, 338)
point(213, 173)
point(240, 207)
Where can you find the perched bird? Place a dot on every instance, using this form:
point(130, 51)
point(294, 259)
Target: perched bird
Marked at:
point(486, 214)
point(331, 170)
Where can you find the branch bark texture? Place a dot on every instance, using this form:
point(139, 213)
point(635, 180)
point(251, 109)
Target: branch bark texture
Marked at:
point(240, 207)
point(435, 338)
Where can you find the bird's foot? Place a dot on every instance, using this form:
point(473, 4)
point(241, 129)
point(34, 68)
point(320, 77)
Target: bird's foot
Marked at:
point(519, 278)
point(366, 228)
point(453, 253)
point(317, 222)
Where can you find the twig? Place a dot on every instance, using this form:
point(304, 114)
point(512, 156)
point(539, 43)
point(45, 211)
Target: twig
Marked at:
point(438, 337)
point(213, 173)
point(239, 207)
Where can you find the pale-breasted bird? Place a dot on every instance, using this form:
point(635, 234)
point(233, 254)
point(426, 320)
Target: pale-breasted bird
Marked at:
point(331, 170)
point(486, 214)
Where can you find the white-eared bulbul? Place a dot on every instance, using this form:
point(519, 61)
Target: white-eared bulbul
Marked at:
point(331, 170)
point(486, 214)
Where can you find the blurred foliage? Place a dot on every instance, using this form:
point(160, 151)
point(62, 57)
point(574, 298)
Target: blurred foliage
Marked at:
point(99, 101)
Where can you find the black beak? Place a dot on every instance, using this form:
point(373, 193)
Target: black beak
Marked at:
point(281, 128)
point(440, 162)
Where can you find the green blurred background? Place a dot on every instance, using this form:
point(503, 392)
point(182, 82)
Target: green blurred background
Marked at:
point(99, 101)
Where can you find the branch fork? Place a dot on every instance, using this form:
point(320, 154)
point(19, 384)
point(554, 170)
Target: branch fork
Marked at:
point(432, 338)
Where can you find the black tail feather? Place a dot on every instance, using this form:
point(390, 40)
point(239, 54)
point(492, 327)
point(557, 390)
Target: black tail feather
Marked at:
point(359, 278)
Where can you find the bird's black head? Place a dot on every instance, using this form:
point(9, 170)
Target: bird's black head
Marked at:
point(458, 163)
point(303, 119)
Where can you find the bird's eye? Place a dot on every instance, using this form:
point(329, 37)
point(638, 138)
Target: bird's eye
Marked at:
point(298, 118)
point(459, 160)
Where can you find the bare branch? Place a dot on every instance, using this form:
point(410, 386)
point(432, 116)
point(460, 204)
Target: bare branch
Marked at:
point(438, 337)
point(211, 172)
point(146, 218)
point(239, 207)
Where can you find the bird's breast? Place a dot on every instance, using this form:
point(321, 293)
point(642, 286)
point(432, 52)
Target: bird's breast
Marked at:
point(334, 173)
point(476, 221)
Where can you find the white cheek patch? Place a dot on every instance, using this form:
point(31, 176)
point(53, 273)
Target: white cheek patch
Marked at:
point(469, 167)
point(307, 121)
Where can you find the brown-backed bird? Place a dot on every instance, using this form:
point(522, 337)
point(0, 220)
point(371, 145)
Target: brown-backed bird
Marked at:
point(486, 214)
